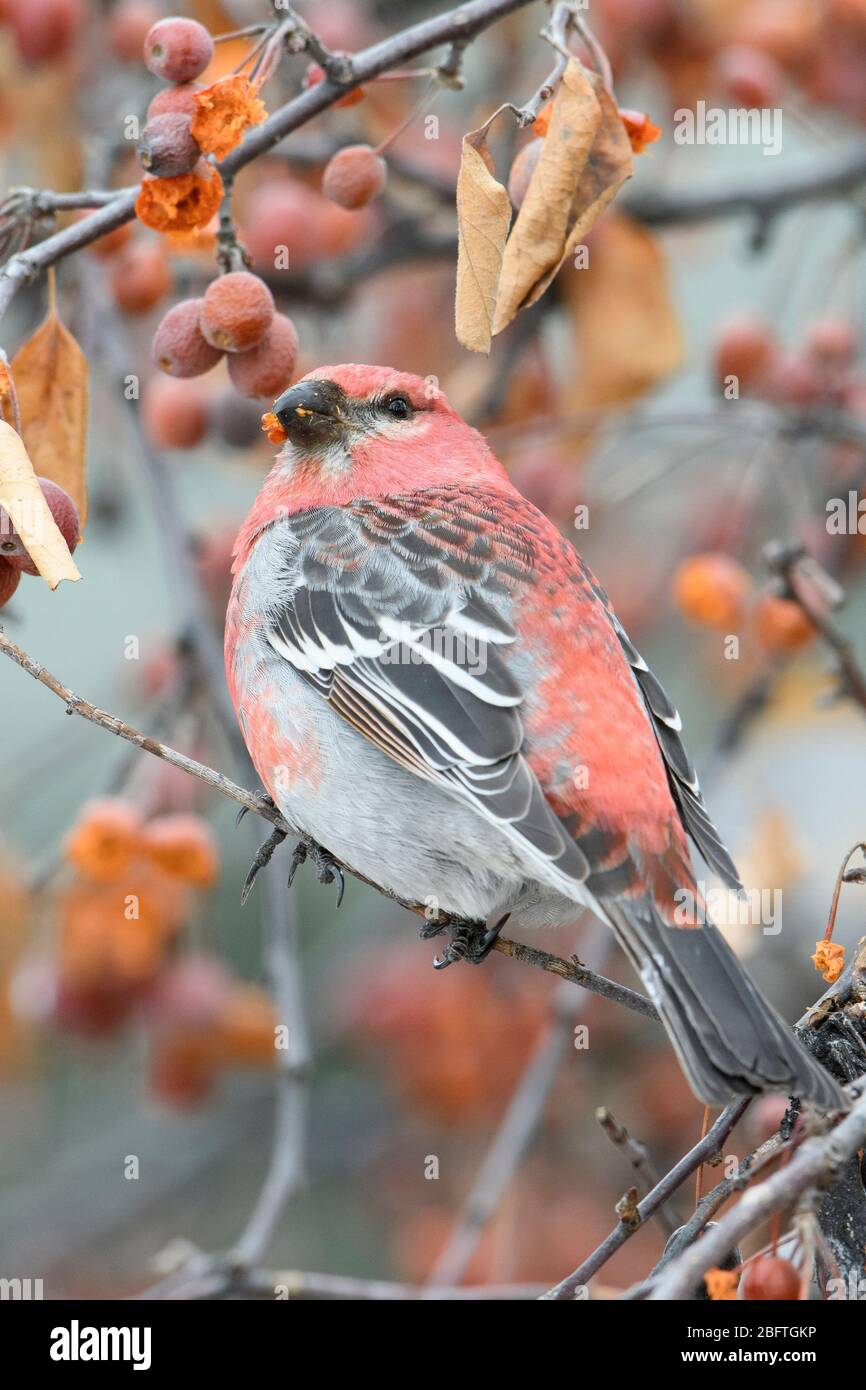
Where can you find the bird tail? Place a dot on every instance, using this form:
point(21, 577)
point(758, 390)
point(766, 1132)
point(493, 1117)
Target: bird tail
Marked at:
point(730, 1041)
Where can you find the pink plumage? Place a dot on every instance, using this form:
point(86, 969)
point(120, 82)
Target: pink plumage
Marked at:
point(433, 687)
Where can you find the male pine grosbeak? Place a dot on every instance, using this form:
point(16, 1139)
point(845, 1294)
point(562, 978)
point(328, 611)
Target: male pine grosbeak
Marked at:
point(432, 685)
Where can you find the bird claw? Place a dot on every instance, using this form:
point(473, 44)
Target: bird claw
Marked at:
point(327, 869)
point(244, 809)
point(261, 857)
point(469, 942)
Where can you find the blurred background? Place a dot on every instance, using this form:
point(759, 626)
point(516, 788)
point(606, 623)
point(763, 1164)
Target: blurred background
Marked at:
point(150, 1038)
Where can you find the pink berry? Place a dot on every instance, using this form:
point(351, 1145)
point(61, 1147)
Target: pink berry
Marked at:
point(177, 49)
point(354, 176)
point(268, 369)
point(179, 346)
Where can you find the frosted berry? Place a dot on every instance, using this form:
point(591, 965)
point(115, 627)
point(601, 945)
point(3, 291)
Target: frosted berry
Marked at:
point(179, 346)
point(269, 368)
point(354, 176)
point(237, 311)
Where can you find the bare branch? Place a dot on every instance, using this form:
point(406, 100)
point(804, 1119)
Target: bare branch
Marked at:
point(817, 1163)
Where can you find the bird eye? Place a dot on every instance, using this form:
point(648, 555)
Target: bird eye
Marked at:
point(399, 408)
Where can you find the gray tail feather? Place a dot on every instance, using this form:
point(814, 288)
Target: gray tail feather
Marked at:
point(729, 1039)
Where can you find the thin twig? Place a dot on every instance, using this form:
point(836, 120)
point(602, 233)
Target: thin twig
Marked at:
point(287, 1166)
point(638, 1157)
point(815, 1164)
point(703, 1150)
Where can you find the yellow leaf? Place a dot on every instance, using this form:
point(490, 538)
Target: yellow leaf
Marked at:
point(585, 159)
point(483, 216)
point(21, 497)
point(50, 373)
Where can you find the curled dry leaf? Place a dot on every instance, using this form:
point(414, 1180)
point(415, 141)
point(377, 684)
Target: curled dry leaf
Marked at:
point(21, 497)
point(50, 373)
point(483, 217)
point(586, 158)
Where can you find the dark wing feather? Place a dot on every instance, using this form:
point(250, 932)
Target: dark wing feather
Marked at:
point(401, 633)
point(683, 778)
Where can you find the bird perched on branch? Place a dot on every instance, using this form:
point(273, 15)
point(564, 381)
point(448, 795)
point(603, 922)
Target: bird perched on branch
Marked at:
point(432, 685)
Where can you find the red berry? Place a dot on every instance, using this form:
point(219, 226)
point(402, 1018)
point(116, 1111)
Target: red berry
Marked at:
point(179, 346)
point(744, 348)
point(522, 170)
point(177, 99)
point(127, 27)
point(269, 368)
point(44, 30)
point(174, 413)
point(139, 277)
point(10, 577)
point(65, 513)
point(354, 176)
point(770, 1278)
point(167, 147)
point(748, 76)
point(237, 311)
point(178, 49)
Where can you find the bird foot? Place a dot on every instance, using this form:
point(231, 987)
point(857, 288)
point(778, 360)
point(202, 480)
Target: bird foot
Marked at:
point(261, 857)
point(470, 942)
point(327, 868)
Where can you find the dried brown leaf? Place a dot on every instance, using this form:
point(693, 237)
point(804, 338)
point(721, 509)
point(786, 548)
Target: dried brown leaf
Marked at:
point(585, 159)
point(626, 331)
point(50, 373)
point(483, 217)
point(21, 496)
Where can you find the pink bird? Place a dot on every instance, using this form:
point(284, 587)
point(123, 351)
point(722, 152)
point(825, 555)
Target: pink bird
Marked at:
point(433, 686)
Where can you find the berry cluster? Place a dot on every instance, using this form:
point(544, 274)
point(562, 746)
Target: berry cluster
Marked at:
point(235, 319)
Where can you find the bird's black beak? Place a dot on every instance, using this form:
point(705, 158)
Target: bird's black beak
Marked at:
point(313, 412)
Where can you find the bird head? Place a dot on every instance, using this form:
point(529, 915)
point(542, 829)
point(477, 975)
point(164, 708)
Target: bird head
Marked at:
point(359, 431)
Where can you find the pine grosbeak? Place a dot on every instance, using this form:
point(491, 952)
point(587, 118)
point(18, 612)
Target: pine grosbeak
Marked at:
point(432, 684)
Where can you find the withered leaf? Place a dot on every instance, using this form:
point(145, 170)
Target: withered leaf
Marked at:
point(625, 328)
point(50, 373)
point(21, 497)
point(585, 159)
point(483, 217)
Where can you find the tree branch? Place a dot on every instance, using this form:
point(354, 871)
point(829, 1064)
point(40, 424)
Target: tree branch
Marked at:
point(817, 1163)
point(463, 24)
point(828, 178)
